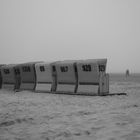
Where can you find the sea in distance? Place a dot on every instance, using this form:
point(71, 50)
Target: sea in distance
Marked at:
point(27, 115)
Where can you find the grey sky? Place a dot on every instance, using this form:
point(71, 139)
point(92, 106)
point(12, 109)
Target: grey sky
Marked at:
point(50, 30)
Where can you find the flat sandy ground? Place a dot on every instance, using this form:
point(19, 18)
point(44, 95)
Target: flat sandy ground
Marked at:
point(42, 116)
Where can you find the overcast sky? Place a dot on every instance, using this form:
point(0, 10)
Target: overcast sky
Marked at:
point(50, 30)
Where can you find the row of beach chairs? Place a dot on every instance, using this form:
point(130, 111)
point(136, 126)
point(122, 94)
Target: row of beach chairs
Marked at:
point(86, 77)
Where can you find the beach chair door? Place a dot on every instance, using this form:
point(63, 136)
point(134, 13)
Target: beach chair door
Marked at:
point(104, 84)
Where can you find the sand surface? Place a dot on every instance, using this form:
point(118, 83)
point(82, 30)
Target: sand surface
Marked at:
point(42, 116)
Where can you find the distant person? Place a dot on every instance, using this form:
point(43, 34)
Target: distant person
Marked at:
point(127, 73)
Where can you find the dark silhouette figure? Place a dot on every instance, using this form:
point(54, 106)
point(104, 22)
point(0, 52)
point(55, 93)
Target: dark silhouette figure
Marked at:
point(127, 73)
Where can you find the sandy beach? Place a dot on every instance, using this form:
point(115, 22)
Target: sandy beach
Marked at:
point(42, 116)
